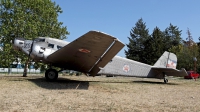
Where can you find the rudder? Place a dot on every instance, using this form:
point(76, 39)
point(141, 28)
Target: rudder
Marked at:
point(167, 60)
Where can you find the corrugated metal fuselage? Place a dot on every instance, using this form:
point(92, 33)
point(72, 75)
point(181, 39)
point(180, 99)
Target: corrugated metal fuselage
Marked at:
point(126, 67)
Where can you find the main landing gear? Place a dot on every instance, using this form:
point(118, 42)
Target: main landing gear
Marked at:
point(51, 74)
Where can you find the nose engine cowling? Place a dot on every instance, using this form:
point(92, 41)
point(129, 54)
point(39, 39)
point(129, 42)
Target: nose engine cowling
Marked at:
point(18, 44)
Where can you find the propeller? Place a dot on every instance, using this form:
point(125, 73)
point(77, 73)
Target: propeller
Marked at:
point(26, 64)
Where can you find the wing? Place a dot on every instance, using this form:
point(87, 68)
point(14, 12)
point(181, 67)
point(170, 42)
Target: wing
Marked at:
point(87, 53)
point(171, 71)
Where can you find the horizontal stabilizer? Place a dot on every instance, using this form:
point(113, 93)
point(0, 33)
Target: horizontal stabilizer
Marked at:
point(170, 71)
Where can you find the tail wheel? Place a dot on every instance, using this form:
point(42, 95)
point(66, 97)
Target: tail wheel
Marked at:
point(165, 80)
point(51, 74)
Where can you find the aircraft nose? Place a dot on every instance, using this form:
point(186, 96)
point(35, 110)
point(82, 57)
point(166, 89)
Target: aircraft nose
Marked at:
point(18, 43)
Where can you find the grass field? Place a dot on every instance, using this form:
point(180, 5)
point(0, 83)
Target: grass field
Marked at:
point(97, 94)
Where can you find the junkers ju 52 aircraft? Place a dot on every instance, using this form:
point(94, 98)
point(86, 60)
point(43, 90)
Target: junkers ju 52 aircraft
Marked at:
point(94, 53)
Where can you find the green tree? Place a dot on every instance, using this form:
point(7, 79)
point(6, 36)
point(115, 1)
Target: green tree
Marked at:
point(148, 48)
point(156, 45)
point(186, 52)
point(164, 40)
point(138, 35)
point(28, 19)
point(172, 36)
point(182, 56)
point(192, 48)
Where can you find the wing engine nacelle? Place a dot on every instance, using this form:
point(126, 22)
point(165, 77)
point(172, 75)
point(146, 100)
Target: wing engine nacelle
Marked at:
point(40, 52)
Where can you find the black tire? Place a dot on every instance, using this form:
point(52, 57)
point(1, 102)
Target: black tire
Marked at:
point(165, 80)
point(51, 75)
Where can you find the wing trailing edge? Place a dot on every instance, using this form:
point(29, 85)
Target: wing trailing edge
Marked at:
point(107, 56)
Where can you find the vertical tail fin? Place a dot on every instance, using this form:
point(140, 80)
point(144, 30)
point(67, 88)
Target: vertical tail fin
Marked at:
point(167, 60)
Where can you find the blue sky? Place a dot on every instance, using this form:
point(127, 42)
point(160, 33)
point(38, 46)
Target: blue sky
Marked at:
point(117, 17)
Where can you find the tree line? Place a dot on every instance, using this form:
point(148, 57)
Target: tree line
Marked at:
point(147, 48)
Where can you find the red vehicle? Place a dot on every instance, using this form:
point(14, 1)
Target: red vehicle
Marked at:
point(191, 75)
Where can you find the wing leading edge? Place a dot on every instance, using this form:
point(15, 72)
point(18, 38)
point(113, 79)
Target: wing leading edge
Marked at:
point(88, 53)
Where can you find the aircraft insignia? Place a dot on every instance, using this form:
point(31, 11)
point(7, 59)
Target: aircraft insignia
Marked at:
point(126, 68)
point(84, 50)
point(171, 64)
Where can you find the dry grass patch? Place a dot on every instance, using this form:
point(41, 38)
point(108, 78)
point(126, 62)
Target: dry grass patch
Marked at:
point(81, 93)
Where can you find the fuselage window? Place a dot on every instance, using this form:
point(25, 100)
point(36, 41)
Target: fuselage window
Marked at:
point(51, 45)
point(58, 47)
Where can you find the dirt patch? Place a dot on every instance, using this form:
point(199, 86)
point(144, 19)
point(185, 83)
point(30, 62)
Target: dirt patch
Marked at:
point(81, 93)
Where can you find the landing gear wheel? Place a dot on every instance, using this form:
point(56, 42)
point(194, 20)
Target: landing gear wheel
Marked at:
point(165, 80)
point(51, 74)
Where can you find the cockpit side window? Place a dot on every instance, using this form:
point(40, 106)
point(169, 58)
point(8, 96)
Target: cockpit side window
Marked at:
point(42, 40)
point(58, 47)
point(51, 45)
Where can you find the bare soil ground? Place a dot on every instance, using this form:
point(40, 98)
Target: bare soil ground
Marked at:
point(97, 94)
